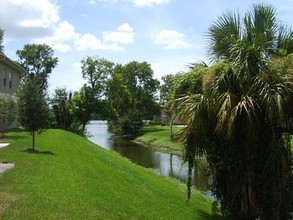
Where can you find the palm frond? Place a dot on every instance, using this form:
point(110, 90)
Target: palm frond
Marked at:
point(197, 112)
point(235, 114)
point(195, 65)
point(271, 94)
point(285, 40)
point(222, 34)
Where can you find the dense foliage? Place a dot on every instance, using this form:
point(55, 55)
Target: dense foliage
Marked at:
point(122, 94)
point(241, 120)
point(96, 71)
point(7, 112)
point(61, 104)
point(166, 88)
point(131, 97)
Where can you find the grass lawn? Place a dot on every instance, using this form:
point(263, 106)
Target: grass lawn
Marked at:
point(158, 137)
point(72, 178)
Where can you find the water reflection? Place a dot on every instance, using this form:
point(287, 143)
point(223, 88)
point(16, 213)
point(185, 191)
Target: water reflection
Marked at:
point(165, 164)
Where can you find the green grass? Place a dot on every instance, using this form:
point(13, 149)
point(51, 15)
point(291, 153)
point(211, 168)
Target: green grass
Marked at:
point(158, 137)
point(72, 178)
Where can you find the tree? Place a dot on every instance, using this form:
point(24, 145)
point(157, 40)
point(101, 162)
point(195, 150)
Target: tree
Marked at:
point(82, 107)
point(7, 112)
point(38, 60)
point(62, 107)
point(33, 110)
point(96, 71)
point(166, 88)
point(166, 91)
point(239, 122)
point(1, 40)
point(131, 97)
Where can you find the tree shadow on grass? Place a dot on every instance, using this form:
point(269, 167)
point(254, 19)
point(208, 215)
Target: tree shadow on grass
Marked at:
point(32, 151)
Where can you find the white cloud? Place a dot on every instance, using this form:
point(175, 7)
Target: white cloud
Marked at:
point(148, 3)
point(22, 18)
point(124, 35)
point(125, 28)
point(64, 33)
point(88, 42)
point(62, 48)
point(171, 39)
point(39, 21)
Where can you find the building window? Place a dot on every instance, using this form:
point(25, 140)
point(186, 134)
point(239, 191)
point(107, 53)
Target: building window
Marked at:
point(10, 80)
point(5, 78)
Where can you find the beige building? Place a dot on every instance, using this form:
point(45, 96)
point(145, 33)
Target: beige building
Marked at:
point(10, 75)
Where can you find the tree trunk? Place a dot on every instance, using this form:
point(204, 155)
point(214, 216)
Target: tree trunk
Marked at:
point(83, 127)
point(33, 145)
point(171, 128)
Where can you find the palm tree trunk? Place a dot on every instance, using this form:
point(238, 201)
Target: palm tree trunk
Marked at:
point(189, 175)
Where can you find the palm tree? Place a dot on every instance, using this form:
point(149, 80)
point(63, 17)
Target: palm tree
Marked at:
point(239, 121)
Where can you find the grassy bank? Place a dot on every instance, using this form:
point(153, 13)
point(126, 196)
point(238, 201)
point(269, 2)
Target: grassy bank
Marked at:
point(72, 178)
point(158, 138)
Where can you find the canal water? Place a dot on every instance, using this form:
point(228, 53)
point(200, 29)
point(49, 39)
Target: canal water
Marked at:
point(165, 164)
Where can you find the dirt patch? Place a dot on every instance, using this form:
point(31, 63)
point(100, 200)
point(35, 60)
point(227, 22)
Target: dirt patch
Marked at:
point(5, 200)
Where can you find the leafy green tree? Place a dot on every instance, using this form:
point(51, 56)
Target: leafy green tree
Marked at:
point(61, 107)
point(142, 87)
point(240, 122)
point(131, 96)
point(7, 112)
point(96, 71)
point(82, 107)
point(38, 60)
point(166, 88)
point(166, 92)
point(33, 109)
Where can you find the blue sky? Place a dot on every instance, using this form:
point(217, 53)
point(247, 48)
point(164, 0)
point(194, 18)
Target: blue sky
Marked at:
point(168, 34)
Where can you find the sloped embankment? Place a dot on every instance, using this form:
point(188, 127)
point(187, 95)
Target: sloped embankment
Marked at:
point(71, 178)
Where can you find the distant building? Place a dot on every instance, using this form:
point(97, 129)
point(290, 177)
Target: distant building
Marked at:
point(10, 75)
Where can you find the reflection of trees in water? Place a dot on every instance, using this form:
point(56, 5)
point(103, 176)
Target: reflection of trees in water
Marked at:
point(165, 164)
point(171, 165)
point(200, 175)
point(137, 154)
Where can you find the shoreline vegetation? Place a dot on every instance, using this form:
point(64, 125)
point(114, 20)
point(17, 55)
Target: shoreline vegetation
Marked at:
point(157, 137)
point(69, 177)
